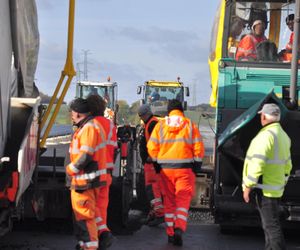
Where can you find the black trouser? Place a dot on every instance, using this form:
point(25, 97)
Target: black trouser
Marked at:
point(269, 213)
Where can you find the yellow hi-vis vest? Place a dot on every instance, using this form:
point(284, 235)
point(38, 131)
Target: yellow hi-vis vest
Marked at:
point(269, 157)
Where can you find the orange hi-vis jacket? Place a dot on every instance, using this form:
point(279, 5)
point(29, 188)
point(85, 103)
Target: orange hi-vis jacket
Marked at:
point(88, 156)
point(247, 47)
point(176, 142)
point(111, 143)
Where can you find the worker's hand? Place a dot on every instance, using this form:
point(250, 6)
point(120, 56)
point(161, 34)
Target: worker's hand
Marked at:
point(149, 160)
point(246, 194)
point(197, 167)
point(157, 167)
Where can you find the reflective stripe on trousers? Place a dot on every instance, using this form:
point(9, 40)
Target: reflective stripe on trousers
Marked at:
point(103, 204)
point(177, 202)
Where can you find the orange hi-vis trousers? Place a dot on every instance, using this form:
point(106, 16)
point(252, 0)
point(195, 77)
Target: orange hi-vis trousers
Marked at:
point(154, 189)
point(103, 204)
point(179, 187)
point(86, 213)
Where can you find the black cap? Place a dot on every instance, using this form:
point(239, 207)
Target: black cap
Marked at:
point(289, 18)
point(80, 105)
point(174, 104)
point(144, 110)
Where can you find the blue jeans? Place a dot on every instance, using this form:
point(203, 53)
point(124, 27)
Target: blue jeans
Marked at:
point(269, 213)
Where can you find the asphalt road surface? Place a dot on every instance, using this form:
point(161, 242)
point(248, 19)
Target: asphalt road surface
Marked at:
point(205, 236)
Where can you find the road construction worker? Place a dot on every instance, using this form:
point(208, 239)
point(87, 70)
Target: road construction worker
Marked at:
point(152, 179)
point(155, 96)
point(88, 159)
point(176, 145)
point(286, 54)
point(290, 23)
point(246, 50)
point(97, 107)
point(266, 170)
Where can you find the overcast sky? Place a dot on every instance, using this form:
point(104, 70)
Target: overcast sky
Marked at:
point(132, 41)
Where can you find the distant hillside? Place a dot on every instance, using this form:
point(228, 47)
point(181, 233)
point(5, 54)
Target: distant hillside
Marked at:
point(201, 114)
point(45, 99)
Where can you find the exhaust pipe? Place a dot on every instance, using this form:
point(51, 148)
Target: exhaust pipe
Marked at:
point(294, 63)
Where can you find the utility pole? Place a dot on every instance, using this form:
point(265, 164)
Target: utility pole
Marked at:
point(194, 93)
point(78, 71)
point(295, 57)
point(85, 63)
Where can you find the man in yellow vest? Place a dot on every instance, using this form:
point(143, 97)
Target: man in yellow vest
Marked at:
point(267, 167)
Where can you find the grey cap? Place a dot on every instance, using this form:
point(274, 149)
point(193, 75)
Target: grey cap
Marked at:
point(270, 109)
point(144, 109)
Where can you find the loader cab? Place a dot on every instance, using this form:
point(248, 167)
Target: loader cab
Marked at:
point(158, 93)
point(107, 90)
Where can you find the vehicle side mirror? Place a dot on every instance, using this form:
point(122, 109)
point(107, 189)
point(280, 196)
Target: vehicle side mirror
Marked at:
point(187, 91)
point(116, 108)
point(139, 90)
point(185, 105)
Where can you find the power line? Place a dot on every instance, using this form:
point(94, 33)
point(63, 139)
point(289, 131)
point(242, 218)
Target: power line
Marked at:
point(194, 97)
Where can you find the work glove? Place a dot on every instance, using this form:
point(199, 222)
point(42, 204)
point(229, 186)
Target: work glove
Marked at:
point(149, 160)
point(197, 167)
point(157, 167)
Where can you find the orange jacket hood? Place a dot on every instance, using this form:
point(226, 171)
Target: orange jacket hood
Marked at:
point(175, 121)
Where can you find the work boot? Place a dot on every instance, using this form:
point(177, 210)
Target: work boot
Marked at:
point(105, 240)
point(177, 237)
point(156, 221)
point(147, 219)
point(171, 239)
point(78, 247)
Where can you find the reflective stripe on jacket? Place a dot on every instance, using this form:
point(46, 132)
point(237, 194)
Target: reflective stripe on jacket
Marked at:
point(268, 158)
point(176, 142)
point(87, 155)
point(247, 47)
point(111, 143)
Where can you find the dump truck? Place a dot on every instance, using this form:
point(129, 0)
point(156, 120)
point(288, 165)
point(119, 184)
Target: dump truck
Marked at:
point(239, 90)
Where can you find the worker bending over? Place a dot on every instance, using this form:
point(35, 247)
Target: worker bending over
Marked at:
point(152, 178)
point(88, 159)
point(176, 145)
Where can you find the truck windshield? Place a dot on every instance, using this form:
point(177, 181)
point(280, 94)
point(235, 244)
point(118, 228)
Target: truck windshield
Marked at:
point(260, 31)
point(154, 94)
point(105, 92)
